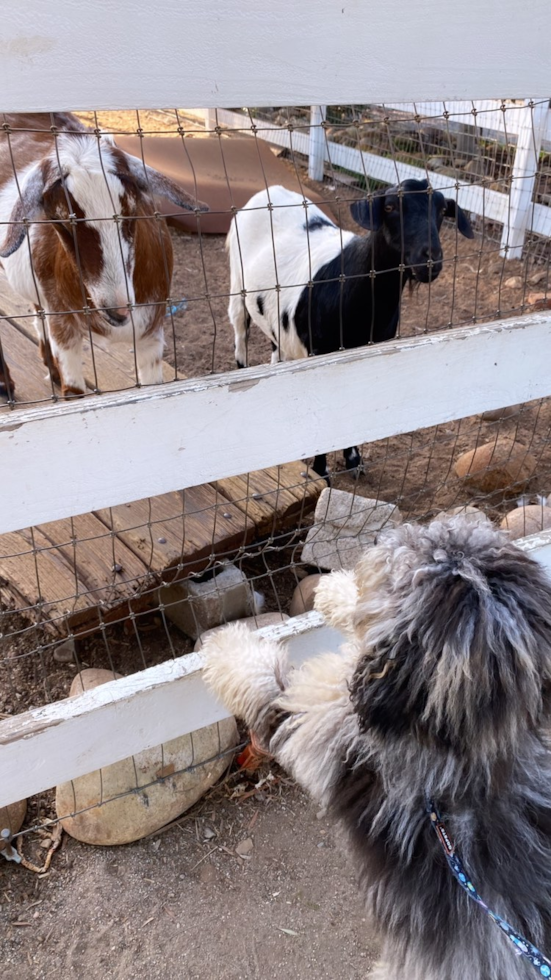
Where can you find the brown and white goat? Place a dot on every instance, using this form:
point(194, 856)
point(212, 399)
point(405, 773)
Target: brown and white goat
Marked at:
point(83, 242)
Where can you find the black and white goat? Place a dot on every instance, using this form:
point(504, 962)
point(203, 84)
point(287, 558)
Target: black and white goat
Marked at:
point(280, 240)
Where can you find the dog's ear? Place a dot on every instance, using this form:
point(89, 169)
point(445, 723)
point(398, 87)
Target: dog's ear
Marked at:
point(336, 598)
point(388, 693)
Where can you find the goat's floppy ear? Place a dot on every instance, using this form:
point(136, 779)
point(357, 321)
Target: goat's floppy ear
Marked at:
point(368, 212)
point(455, 212)
point(28, 206)
point(151, 180)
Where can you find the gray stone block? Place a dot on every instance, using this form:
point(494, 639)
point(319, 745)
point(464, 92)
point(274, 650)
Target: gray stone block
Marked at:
point(195, 606)
point(345, 525)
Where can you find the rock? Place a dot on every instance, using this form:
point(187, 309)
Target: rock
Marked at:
point(303, 596)
point(514, 282)
point(527, 520)
point(437, 163)
point(500, 414)
point(538, 277)
point(12, 817)
point(91, 677)
point(196, 605)
point(244, 847)
point(64, 653)
point(345, 525)
point(503, 465)
point(125, 815)
point(472, 514)
point(251, 622)
point(541, 301)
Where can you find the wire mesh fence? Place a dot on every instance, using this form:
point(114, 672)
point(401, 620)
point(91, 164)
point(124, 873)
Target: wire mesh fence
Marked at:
point(126, 588)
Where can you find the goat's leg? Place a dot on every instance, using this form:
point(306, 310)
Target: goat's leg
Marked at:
point(241, 322)
point(353, 461)
point(319, 466)
point(7, 387)
point(276, 357)
point(149, 357)
point(65, 349)
point(45, 349)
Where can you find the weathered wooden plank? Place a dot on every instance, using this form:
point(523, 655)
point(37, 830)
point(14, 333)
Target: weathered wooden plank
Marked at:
point(314, 53)
point(193, 432)
point(70, 738)
point(42, 581)
point(26, 368)
point(275, 497)
point(178, 533)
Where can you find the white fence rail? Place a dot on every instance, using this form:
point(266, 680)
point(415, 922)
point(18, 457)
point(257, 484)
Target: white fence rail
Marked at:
point(68, 459)
point(529, 124)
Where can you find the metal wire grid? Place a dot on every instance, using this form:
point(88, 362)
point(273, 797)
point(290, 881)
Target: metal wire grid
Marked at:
point(414, 471)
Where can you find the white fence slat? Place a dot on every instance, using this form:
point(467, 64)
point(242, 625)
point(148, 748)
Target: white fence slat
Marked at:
point(138, 54)
point(523, 179)
point(81, 456)
point(47, 746)
point(477, 199)
point(316, 149)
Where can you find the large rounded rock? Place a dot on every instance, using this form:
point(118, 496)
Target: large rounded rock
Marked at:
point(135, 797)
point(527, 520)
point(303, 596)
point(500, 414)
point(12, 817)
point(502, 465)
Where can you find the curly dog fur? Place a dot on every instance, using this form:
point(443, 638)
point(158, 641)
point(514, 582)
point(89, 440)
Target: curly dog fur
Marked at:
point(442, 688)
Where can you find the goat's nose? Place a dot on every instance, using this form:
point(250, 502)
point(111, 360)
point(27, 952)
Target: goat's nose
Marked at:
point(433, 252)
point(118, 315)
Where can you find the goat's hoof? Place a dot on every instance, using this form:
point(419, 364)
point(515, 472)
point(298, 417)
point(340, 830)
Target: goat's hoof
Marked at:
point(357, 471)
point(68, 393)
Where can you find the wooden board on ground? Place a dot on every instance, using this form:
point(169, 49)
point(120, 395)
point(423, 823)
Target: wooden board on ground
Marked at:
point(274, 498)
point(74, 574)
point(179, 533)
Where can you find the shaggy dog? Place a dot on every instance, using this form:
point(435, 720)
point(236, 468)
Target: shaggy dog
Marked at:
point(442, 691)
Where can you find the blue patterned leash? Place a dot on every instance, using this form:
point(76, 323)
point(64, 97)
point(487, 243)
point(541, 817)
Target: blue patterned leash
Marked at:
point(521, 946)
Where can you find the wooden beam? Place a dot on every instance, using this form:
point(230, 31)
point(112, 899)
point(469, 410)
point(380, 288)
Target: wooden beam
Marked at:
point(101, 451)
point(70, 738)
point(315, 52)
point(47, 746)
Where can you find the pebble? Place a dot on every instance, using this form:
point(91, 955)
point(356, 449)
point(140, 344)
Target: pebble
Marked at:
point(65, 652)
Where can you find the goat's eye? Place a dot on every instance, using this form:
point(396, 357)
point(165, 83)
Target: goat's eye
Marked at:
point(389, 207)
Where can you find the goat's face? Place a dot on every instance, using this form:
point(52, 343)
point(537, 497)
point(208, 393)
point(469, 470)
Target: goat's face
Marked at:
point(410, 216)
point(94, 194)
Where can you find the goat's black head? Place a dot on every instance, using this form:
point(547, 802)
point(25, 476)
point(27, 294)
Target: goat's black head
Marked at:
point(410, 216)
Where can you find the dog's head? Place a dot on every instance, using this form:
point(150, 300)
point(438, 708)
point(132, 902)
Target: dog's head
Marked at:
point(454, 628)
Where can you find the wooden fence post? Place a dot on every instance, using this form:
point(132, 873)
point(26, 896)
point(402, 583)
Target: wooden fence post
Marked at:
point(210, 119)
point(531, 129)
point(316, 152)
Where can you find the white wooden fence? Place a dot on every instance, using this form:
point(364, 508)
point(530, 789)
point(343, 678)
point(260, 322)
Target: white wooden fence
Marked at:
point(527, 123)
point(66, 459)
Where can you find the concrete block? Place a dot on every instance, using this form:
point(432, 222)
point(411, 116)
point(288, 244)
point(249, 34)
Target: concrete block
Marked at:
point(195, 606)
point(345, 525)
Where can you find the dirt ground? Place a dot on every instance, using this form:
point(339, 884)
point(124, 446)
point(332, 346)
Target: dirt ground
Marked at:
point(182, 905)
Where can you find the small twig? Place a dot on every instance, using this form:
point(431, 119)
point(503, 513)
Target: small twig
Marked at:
point(56, 841)
point(204, 858)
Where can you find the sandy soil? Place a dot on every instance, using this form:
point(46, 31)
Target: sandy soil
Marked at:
point(183, 905)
